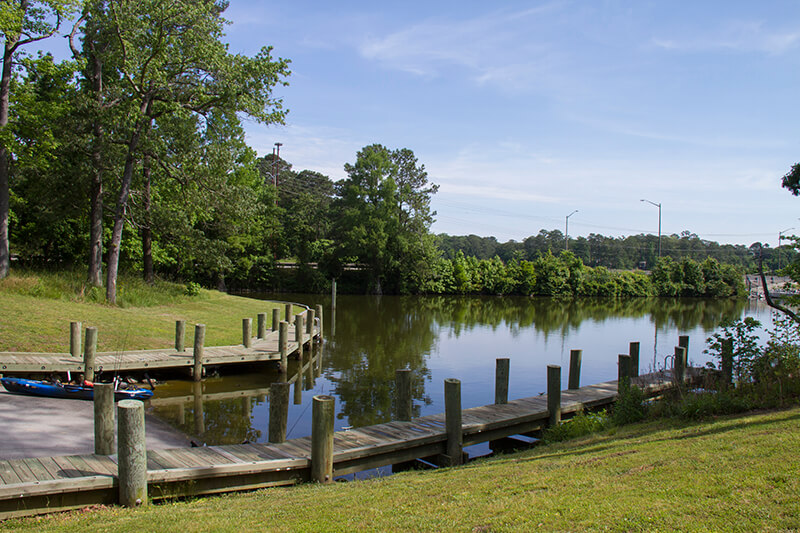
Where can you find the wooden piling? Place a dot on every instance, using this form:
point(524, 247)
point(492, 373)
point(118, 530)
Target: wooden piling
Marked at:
point(633, 351)
point(247, 332)
point(262, 325)
point(333, 293)
point(683, 342)
point(199, 409)
point(276, 318)
point(288, 313)
point(278, 411)
point(403, 401)
point(319, 316)
point(727, 362)
point(299, 330)
point(501, 370)
point(199, 348)
point(310, 323)
point(75, 339)
point(322, 414)
point(89, 353)
point(298, 385)
point(180, 334)
point(679, 364)
point(453, 425)
point(553, 395)
point(283, 346)
point(104, 418)
point(574, 380)
point(623, 372)
point(132, 454)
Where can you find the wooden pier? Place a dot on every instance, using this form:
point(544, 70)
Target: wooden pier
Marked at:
point(47, 484)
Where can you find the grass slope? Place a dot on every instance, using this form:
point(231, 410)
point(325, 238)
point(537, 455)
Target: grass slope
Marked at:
point(37, 310)
point(733, 474)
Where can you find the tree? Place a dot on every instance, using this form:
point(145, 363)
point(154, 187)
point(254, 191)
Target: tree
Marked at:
point(21, 22)
point(383, 217)
point(169, 59)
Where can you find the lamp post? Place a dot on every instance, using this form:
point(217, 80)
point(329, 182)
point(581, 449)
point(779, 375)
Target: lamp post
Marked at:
point(780, 238)
point(659, 223)
point(566, 232)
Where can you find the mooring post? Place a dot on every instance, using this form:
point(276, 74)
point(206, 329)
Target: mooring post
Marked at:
point(319, 316)
point(553, 395)
point(683, 342)
point(623, 372)
point(501, 370)
point(727, 362)
point(333, 293)
point(104, 418)
point(199, 342)
point(89, 352)
point(276, 318)
point(180, 334)
point(131, 454)
point(452, 415)
point(633, 351)
point(679, 364)
point(283, 346)
point(288, 313)
point(278, 411)
point(403, 401)
point(75, 339)
point(299, 329)
point(247, 332)
point(199, 409)
point(298, 385)
point(574, 379)
point(310, 315)
point(262, 325)
point(322, 414)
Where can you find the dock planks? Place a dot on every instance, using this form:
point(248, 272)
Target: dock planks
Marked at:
point(47, 484)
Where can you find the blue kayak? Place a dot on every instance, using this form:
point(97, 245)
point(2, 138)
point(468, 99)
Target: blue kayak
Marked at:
point(75, 392)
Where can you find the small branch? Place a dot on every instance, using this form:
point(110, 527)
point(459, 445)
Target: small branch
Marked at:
point(767, 297)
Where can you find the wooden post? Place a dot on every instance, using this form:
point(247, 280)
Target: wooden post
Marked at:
point(452, 414)
point(89, 352)
point(623, 372)
point(633, 351)
point(683, 342)
point(276, 318)
point(333, 293)
point(262, 325)
point(319, 316)
point(288, 313)
point(283, 346)
point(574, 380)
point(310, 323)
point(553, 394)
point(679, 364)
point(403, 400)
point(727, 363)
point(299, 330)
point(247, 332)
point(322, 414)
point(278, 411)
point(199, 409)
point(199, 342)
point(75, 339)
point(132, 454)
point(298, 384)
point(180, 334)
point(104, 418)
point(501, 367)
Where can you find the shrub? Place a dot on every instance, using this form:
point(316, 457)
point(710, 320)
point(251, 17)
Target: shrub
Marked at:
point(579, 425)
point(630, 406)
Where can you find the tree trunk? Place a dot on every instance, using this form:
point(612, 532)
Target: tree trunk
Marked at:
point(96, 221)
point(147, 233)
point(5, 81)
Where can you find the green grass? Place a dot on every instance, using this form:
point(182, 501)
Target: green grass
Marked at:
point(733, 474)
point(37, 308)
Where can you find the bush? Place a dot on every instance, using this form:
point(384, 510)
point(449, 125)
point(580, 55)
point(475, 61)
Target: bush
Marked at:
point(192, 289)
point(579, 425)
point(630, 406)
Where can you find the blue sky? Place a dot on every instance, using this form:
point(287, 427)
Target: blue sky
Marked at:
point(523, 112)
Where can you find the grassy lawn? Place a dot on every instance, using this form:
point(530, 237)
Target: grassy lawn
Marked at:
point(37, 310)
point(732, 474)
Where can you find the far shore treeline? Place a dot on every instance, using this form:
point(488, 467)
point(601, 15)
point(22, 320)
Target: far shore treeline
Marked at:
point(131, 157)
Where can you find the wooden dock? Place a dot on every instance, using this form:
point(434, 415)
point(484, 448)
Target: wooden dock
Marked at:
point(47, 484)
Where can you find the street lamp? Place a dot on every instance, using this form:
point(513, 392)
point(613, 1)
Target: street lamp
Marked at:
point(566, 232)
point(659, 223)
point(780, 238)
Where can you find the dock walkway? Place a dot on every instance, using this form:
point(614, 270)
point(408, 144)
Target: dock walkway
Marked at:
point(47, 484)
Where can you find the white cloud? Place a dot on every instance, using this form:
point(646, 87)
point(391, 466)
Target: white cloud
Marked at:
point(739, 36)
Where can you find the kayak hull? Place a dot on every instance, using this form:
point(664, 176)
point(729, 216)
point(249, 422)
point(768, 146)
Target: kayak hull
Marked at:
point(34, 387)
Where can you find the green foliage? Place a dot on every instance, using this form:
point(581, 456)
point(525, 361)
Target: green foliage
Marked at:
point(741, 333)
point(699, 405)
point(581, 424)
point(192, 289)
point(630, 406)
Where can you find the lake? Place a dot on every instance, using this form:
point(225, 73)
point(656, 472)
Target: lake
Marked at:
point(367, 338)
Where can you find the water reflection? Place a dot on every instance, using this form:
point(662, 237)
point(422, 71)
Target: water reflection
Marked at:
point(369, 338)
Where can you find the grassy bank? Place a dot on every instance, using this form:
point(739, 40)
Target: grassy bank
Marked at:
point(733, 474)
point(37, 309)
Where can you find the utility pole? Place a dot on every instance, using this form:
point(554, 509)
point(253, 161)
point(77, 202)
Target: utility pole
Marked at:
point(276, 156)
point(780, 238)
point(659, 223)
point(566, 232)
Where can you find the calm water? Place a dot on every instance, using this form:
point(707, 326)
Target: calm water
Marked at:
point(368, 338)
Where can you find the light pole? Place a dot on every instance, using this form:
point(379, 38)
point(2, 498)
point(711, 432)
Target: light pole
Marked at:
point(566, 232)
point(780, 238)
point(659, 223)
